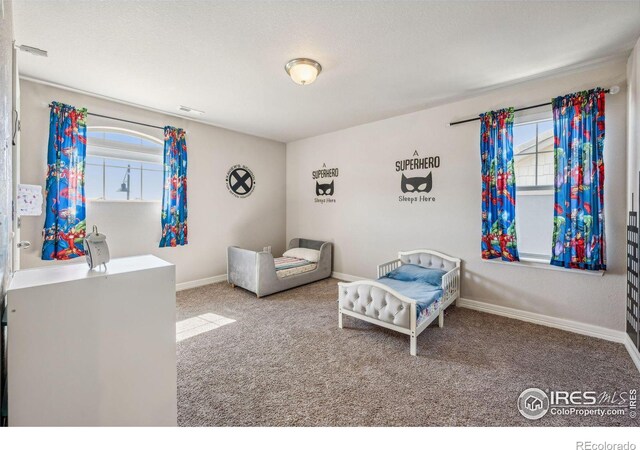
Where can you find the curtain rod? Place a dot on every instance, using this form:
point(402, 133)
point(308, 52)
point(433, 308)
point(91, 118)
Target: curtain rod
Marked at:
point(122, 120)
point(606, 91)
point(125, 120)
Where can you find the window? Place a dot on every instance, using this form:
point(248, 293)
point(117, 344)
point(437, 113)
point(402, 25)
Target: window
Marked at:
point(123, 165)
point(533, 154)
point(534, 170)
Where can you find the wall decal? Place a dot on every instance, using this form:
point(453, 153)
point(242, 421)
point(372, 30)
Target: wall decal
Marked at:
point(419, 180)
point(240, 181)
point(417, 184)
point(326, 189)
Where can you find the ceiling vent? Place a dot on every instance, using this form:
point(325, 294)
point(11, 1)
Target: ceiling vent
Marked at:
point(33, 50)
point(188, 110)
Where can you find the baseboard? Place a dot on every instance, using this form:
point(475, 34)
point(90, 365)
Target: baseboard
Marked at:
point(200, 282)
point(345, 277)
point(553, 322)
point(219, 278)
point(548, 321)
point(633, 350)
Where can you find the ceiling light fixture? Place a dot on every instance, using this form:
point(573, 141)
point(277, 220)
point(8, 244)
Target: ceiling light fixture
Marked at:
point(190, 110)
point(33, 50)
point(303, 70)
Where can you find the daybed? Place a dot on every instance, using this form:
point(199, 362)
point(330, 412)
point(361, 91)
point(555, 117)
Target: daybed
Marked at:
point(262, 274)
point(400, 300)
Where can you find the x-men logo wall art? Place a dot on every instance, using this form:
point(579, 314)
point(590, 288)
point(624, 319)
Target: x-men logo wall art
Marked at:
point(240, 181)
point(416, 180)
point(325, 184)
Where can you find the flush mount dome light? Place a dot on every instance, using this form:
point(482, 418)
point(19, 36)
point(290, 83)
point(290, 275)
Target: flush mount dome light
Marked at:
point(303, 70)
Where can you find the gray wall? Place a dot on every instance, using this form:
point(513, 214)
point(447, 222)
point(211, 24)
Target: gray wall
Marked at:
point(369, 225)
point(216, 218)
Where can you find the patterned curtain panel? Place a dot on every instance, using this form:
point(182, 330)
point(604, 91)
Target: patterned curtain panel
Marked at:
point(65, 226)
point(174, 199)
point(578, 230)
point(498, 186)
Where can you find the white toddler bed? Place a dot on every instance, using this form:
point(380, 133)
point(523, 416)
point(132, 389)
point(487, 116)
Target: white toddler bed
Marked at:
point(382, 305)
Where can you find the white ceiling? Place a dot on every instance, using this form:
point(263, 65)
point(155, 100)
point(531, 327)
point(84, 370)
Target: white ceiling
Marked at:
point(380, 58)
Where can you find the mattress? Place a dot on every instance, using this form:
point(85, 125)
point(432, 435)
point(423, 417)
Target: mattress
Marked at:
point(287, 266)
point(427, 296)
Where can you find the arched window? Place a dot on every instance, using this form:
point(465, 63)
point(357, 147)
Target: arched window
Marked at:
point(123, 165)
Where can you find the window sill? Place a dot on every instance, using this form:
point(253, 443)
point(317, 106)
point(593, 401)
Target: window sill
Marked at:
point(534, 191)
point(99, 200)
point(534, 263)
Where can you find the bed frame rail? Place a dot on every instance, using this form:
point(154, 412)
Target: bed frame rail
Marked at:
point(451, 285)
point(387, 267)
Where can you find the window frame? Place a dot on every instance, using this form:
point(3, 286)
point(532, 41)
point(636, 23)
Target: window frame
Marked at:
point(543, 189)
point(534, 259)
point(121, 152)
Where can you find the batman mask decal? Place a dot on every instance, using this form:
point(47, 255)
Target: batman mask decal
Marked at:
point(416, 184)
point(324, 189)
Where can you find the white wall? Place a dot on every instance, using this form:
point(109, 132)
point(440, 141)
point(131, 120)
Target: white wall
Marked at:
point(369, 225)
point(216, 218)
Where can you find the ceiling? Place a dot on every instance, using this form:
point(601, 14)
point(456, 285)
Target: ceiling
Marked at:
point(379, 58)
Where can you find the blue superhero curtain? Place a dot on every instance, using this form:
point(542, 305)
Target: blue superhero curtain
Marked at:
point(174, 198)
point(498, 186)
point(578, 230)
point(65, 226)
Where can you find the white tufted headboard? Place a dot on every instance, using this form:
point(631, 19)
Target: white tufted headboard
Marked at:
point(429, 259)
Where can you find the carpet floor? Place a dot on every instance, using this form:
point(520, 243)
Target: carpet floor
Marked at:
point(284, 362)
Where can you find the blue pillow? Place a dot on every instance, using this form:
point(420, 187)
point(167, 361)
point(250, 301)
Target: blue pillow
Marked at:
point(412, 272)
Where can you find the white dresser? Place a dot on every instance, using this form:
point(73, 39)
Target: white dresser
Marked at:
point(90, 348)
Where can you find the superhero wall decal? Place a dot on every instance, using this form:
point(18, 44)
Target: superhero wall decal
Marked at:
point(325, 184)
point(324, 189)
point(415, 175)
point(416, 180)
point(416, 184)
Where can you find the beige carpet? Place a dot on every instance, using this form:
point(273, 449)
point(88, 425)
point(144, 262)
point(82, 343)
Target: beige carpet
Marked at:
point(285, 362)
